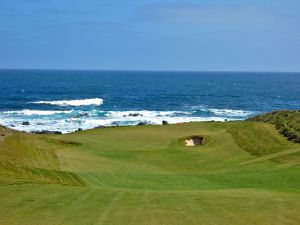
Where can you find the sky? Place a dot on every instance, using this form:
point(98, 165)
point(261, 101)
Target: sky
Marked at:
point(198, 35)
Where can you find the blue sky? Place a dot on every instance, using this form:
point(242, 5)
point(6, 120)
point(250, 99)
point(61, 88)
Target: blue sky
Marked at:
point(204, 35)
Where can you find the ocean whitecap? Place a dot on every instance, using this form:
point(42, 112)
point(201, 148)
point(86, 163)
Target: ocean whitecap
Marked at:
point(78, 102)
point(29, 112)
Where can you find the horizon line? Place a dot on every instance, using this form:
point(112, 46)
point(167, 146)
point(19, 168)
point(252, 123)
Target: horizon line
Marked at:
point(153, 70)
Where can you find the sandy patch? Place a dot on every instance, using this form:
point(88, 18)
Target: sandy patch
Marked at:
point(194, 141)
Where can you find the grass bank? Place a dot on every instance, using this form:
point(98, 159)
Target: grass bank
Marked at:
point(287, 122)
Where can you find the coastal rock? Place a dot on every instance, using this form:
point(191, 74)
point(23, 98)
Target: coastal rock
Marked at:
point(141, 124)
point(25, 123)
point(115, 123)
point(12, 125)
point(79, 129)
point(134, 114)
point(164, 122)
point(46, 132)
point(80, 115)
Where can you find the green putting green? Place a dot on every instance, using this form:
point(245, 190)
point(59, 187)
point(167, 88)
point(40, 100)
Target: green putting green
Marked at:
point(244, 173)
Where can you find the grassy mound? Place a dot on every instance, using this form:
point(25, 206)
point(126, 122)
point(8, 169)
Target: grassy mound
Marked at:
point(286, 121)
point(258, 139)
point(26, 158)
point(246, 173)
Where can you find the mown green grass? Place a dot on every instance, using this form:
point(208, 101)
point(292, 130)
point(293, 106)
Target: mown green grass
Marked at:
point(246, 173)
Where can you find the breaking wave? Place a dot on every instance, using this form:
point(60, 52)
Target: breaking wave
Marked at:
point(71, 120)
point(231, 112)
point(224, 112)
point(79, 102)
point(28, 112)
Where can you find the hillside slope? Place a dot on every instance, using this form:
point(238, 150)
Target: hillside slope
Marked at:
point(26, 158)
point(245, 173)
point(286, 121)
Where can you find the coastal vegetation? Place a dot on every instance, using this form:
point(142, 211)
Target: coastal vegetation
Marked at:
point(286, 121)
point(244, 172)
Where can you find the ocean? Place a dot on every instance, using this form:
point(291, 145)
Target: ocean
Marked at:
point(62, 100)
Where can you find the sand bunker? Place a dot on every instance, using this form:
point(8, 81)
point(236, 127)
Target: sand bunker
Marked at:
point(194, 141)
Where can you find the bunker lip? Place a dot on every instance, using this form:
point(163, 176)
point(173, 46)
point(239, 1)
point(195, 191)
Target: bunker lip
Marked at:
point(195, 140)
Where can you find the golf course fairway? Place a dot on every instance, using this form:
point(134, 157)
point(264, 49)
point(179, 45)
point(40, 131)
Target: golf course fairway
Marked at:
point(244, 173)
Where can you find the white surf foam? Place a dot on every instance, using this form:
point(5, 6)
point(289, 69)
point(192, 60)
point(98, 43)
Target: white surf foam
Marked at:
point(28, 112)
point(224, 112)
point(71, 124)
point(69, 121)
point(144, 113)
point(79, 102)
point(231, 112)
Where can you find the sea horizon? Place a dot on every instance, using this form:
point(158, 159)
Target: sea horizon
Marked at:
point(150, 70)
